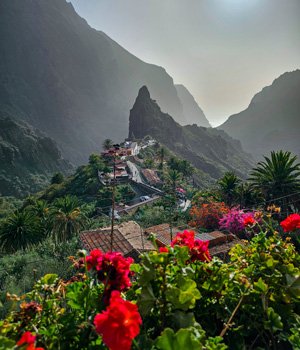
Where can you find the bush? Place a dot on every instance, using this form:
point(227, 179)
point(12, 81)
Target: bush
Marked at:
point(208, 215)
point(178, 299)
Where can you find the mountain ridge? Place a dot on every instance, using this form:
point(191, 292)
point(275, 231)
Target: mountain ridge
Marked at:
point(28, 158)
point(70, 80)
point(208, 149)
point(272, 119)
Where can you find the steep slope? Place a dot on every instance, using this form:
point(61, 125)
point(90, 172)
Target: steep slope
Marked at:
point(272, 120)
point(191, 110)
point(27, 158)
point(69, 80)
point(209, 150)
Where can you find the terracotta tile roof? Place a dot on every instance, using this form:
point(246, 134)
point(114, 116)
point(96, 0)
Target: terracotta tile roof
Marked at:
point(219, 243)
point(163, 233)
point(151, 176)
point(127, 239)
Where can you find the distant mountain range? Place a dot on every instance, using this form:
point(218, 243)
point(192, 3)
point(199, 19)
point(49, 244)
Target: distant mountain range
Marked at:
point(210, 150)
point(28, 159)
point(72, 81)
point(191, 109)
point(272, 120)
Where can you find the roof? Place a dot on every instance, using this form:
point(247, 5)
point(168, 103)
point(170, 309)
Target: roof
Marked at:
point(163, 233)
point(151, 176)
point(219, 243)
point(128, 238)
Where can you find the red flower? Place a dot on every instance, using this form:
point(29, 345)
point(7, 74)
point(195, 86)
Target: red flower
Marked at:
point(249, 220)
point(27, 338)
point(114, 270)
point(185, 238)
point(163, 250)
point(291, 223)
point(198, 249)
point(92, 259)
point(119, 324)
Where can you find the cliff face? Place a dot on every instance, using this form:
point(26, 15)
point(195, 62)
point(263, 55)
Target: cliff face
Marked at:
point(191, 110)
point(209, 150)
point(272, 120)
point(69, 80)
point(27, 158)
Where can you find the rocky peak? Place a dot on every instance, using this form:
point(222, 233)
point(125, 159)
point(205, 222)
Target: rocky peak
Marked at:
point(209, 150)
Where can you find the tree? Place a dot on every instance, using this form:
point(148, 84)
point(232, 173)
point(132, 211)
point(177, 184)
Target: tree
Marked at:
point(67, 218)
point(228, 187)
point(161, 154)
point(277, 176)
point(107, 144)
point(20, 230)
point(57, 178)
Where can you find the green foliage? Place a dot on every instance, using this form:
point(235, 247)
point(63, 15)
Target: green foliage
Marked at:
point(228, 187)
point(20, 230)
point(277, 176)
point(8, 205)
point(57, 178)
point(251, 301)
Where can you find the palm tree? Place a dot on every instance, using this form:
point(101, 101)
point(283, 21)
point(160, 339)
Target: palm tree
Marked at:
point(107, 144)
point(161, 154)
point(277, 176)
point(173, 178)
point(41, 209)
point(20, 230)
point(228, 186)
point(67, 218)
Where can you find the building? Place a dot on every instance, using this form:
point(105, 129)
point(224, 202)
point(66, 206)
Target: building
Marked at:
point(132, 147)
point(151, 177)
point(219, 243)
point(128, 239)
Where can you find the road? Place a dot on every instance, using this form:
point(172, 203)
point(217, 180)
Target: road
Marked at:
point(136, 176)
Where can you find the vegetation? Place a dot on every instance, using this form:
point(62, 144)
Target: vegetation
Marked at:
point(180, 298)
point(277, 176)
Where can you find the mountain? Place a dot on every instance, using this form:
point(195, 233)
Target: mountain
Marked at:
point(210, 150)
point(272, 120)
point(70, 80)
point(191, 110)
point(28, 159)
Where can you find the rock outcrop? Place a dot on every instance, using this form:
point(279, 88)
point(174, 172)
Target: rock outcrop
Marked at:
point(209, 150)
point(70, 80)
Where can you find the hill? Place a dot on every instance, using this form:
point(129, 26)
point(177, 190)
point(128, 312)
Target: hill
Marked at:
point(210, 150)
point(28, 159)
point(272, 120)
point(191, 110)
point(70, 80)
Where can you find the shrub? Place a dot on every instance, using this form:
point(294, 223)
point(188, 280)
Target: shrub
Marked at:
point(178, 299)
point(208, 215)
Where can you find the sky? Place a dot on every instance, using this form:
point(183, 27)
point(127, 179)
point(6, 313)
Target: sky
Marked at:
point(223, 51)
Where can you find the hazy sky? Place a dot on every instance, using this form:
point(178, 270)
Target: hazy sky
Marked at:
point(223, 51)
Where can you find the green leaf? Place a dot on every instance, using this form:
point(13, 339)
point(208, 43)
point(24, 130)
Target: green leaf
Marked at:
point(293, 283)
point(261, 286)
point(183, 339)
point(146, 300)
point(6, 344)
point(183, 294)
point(76, 294)
point(49, 279)
point(274, 321)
